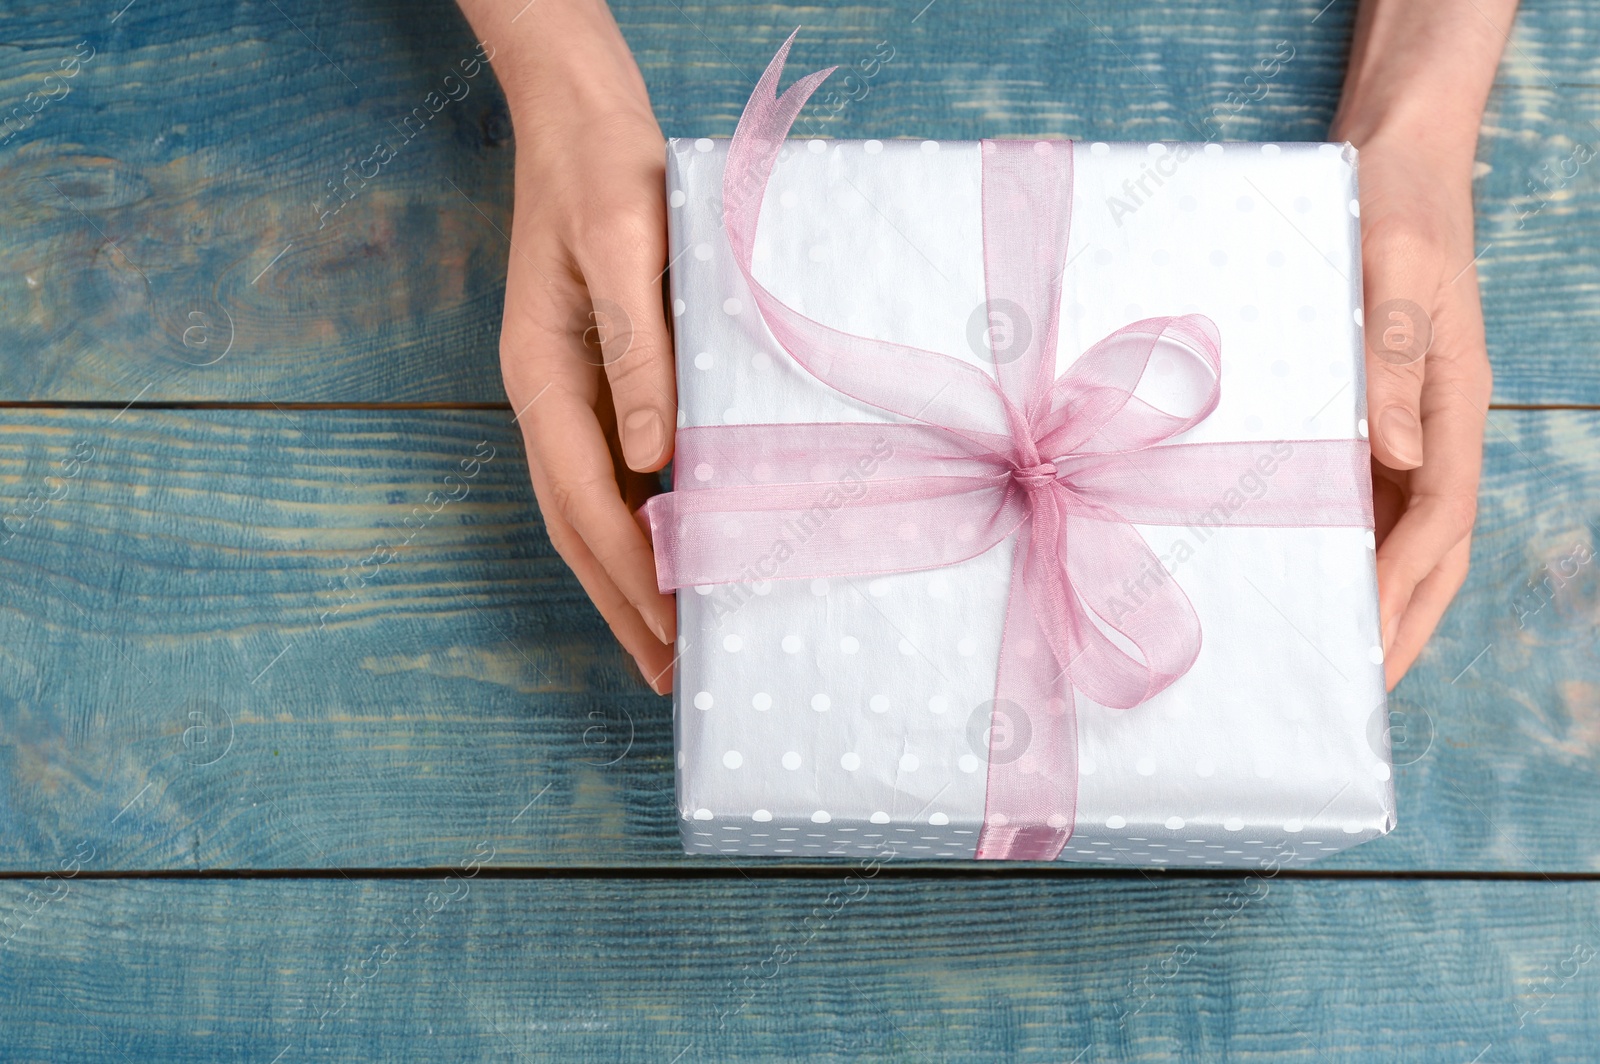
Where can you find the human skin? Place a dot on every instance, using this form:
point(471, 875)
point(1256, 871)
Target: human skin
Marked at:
point(586, 353)
point(1418, 79)
point(584, 347)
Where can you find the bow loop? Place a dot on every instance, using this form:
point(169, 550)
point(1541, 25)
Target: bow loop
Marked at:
point(1139, 387)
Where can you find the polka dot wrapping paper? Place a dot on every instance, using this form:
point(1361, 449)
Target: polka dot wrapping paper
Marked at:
point(854, 716)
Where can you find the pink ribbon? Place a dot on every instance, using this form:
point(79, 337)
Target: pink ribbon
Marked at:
point(1066, 465)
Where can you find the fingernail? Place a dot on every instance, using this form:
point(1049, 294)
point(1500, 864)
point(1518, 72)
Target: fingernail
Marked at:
point(656, 627)
point(643, 435)
point(653, 681)
point(649, 681)
point(1402, 434)
point(1390, 629)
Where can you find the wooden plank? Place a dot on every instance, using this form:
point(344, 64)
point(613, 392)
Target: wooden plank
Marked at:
point(1536, 199)
point(166, 243)
point(168, 229)
point(207, 661)
point(854, 966)
point(249, 615)
point(1503, 708)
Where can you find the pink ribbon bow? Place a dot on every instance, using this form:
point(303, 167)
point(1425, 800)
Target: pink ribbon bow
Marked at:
point(1067, 466)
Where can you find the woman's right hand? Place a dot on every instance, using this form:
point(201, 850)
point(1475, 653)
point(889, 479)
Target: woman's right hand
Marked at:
point(584, 346)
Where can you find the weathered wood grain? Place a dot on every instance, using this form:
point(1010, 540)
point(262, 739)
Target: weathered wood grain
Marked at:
point(199, 144)
point(1504, 706)
point(222, 646)
point(148, 208)
point(848, 968)
point(246, 608)
point(207, 661)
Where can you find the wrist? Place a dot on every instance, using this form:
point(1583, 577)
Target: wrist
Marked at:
point(558, 50)
point(1439, 136)
point(1419, 77)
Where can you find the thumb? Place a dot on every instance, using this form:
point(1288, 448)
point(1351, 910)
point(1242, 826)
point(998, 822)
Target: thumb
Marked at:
point(624, 281)
point(1402, 285)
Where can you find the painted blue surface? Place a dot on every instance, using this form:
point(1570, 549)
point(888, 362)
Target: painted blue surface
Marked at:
point(183, 180)
point(224, 652)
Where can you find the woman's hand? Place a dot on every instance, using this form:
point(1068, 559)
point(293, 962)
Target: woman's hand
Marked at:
point(1428, 385)
point(584, 347)
point(1420, 72)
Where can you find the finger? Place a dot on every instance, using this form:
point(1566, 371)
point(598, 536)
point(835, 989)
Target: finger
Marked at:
point(1443, 493)
point(1423, 612)
point(565, 442)
point(555, 393)
point(1388, 498)
point(1401, 283)
point(653, 657)
point(1435, 521)
point(622, 264)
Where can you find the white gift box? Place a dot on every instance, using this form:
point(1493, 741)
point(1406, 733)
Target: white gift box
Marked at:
point(850, 717)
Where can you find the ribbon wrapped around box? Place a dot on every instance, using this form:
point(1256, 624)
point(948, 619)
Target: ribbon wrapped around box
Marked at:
point(939, 544)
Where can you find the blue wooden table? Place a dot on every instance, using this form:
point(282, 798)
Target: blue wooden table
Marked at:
point(284, 779)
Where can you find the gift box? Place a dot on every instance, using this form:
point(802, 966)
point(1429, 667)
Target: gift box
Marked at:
point(838, 694)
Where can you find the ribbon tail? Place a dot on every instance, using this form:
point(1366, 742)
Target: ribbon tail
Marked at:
point(1031, 796)
point(762, 126)
point(915, 384)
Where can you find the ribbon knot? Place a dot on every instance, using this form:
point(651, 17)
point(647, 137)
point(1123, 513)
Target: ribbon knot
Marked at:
point(1035, 477)
point(1091, 607)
